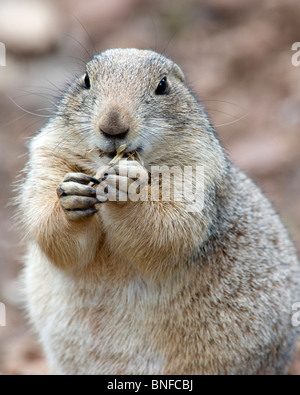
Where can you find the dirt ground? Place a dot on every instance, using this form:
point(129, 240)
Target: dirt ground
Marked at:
point(237, 56)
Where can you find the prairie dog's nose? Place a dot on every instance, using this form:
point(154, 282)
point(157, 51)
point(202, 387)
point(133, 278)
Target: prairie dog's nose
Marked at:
point(114, 124)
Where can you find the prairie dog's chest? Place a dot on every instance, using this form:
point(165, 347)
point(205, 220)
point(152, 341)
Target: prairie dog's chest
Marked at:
point(96, 327)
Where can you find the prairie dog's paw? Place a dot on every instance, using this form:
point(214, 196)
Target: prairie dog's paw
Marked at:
point(76, 197)
point(123, 181)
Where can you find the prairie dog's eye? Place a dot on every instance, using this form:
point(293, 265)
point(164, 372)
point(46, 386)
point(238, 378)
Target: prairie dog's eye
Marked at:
point(87, 81)
point(162, 87)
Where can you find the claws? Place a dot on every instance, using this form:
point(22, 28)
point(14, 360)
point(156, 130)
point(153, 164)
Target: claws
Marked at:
point(116, 181)
point(77, 197)
point(79, 193)
point(94, 180)
point(73, 188)
point(80, 178)
point(60, 191)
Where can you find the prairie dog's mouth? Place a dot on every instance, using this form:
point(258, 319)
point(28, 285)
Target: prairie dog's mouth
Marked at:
point(119, 152)
point(122, 151)
point(109, 155)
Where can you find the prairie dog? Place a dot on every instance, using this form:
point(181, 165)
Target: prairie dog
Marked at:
point(148, 287)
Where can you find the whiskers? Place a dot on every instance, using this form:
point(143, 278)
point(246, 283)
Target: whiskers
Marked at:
point(78, 133)
point(235, 118)
point(30, 112)
point(48, 96)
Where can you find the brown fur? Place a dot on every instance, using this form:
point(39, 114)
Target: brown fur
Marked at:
point(148, 287)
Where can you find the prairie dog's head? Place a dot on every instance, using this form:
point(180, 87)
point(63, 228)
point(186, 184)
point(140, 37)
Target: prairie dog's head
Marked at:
point(138, 98)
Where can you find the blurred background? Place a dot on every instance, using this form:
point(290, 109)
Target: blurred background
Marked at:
point(236, 55)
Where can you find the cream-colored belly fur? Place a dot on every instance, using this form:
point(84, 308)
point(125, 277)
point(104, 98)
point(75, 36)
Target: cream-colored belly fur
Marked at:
point(86, 327)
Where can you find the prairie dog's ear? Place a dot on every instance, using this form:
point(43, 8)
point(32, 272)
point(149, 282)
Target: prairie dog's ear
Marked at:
point(178, 73)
